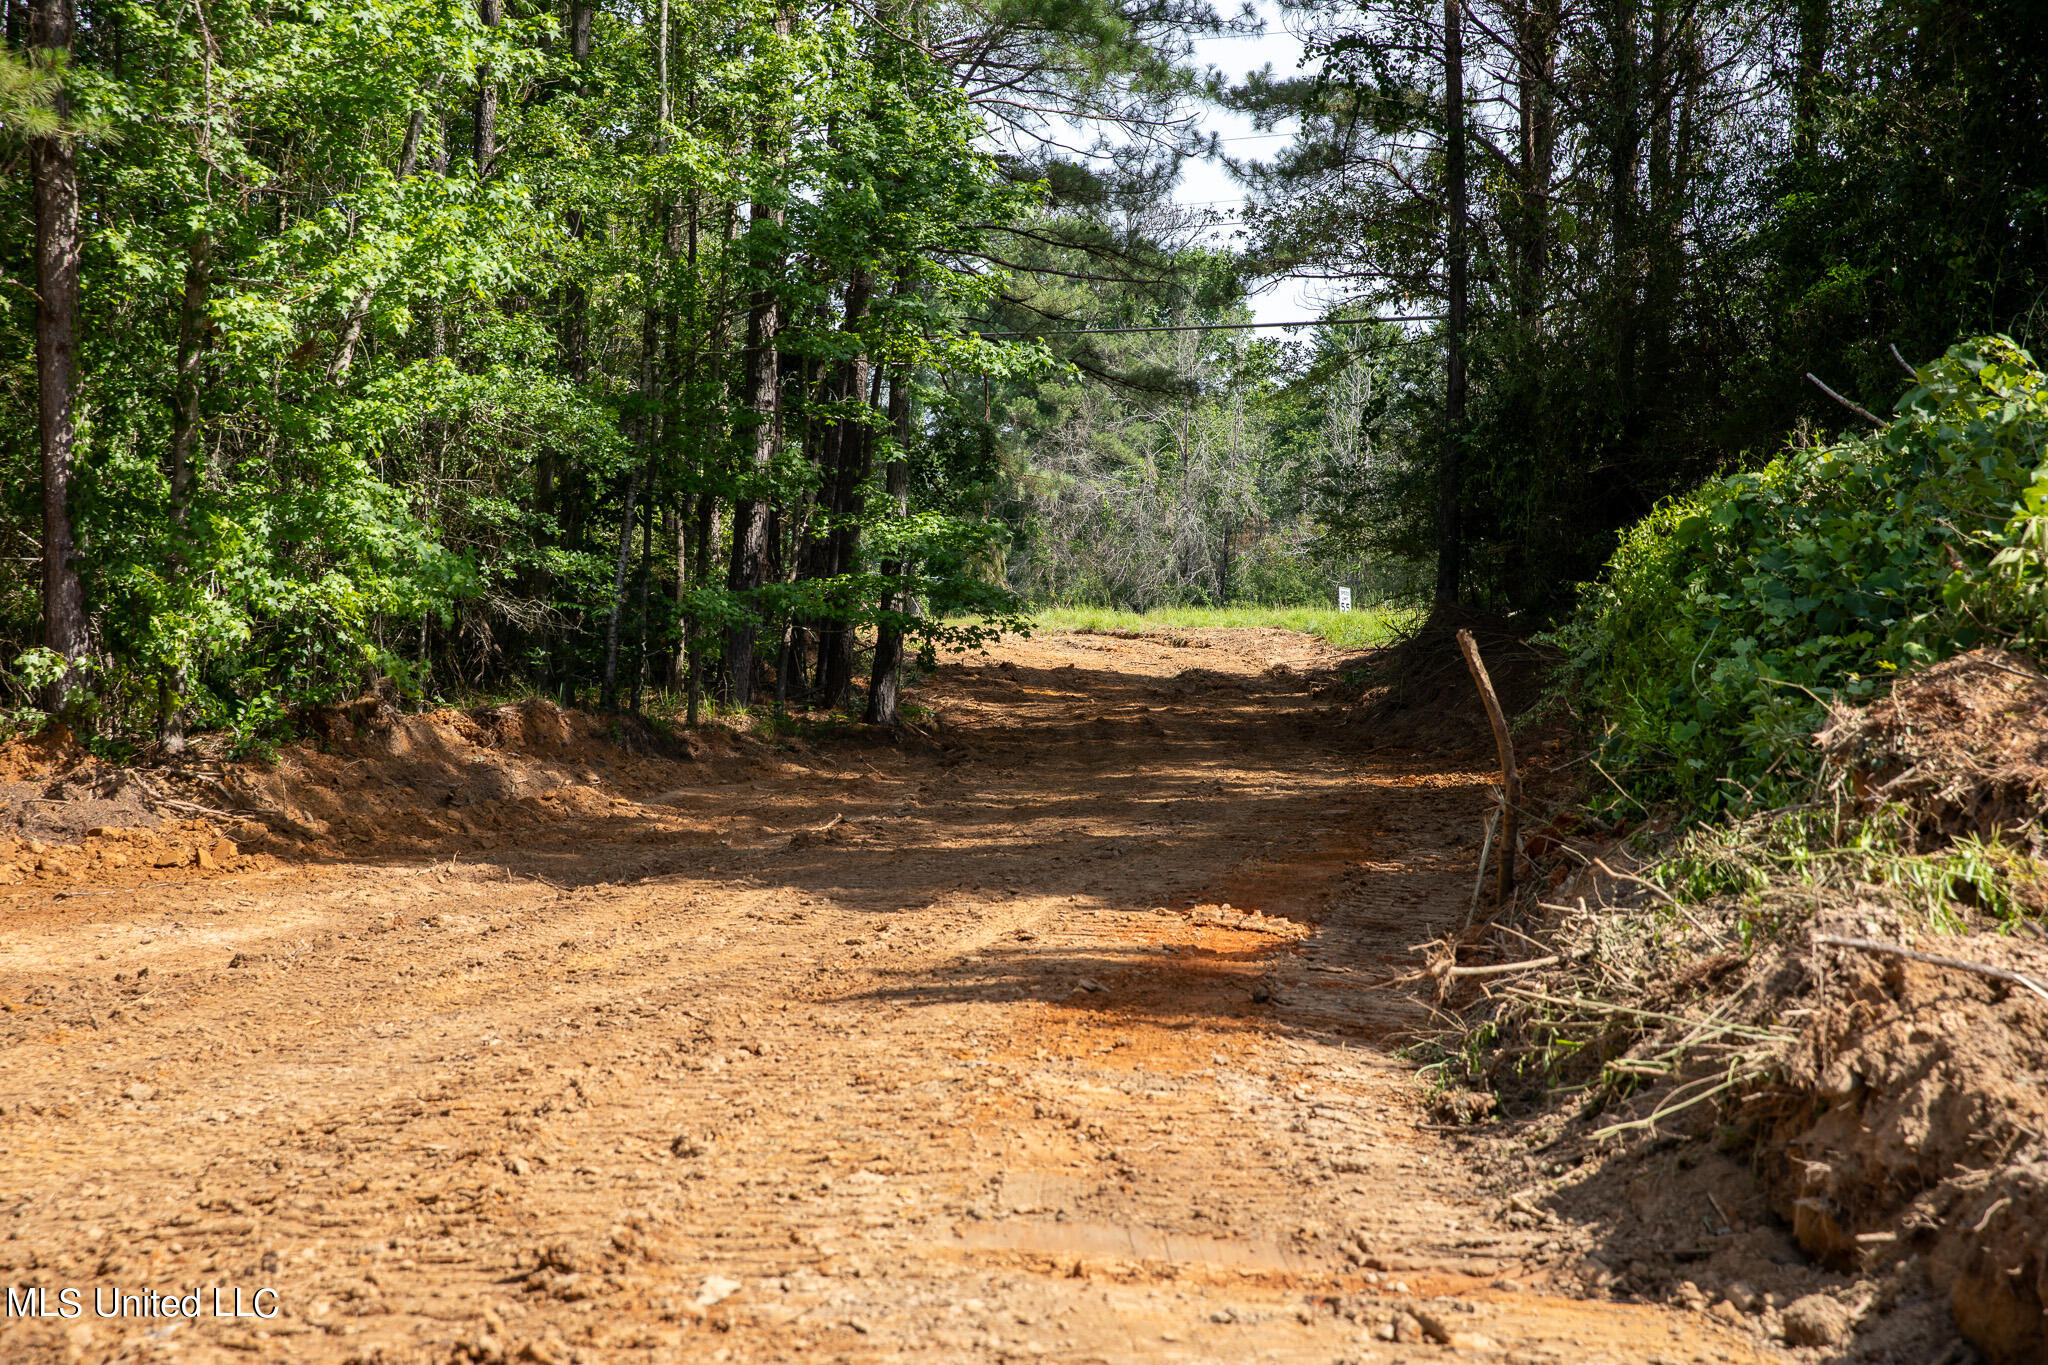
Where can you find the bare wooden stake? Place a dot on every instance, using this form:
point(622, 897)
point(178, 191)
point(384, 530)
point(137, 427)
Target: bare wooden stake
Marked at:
point(1510, 780)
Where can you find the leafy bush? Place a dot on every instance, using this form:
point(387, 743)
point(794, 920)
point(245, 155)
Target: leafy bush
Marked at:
point(1728, 618)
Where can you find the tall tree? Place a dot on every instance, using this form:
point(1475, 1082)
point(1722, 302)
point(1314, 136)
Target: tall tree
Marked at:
point(484, 124)
point(53, 168)
point(761, 381)
point(1450, 547)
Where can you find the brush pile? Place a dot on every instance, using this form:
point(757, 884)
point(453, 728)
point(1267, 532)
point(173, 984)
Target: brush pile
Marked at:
point(1850, 995)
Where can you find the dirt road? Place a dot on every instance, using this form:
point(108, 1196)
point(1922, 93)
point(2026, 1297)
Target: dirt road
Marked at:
point(936, 1054)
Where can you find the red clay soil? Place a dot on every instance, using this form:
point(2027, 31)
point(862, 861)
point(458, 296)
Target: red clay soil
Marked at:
point(1055, 1033)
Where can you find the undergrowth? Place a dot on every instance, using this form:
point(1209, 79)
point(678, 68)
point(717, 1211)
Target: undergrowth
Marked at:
point(1729, 619)
point(1679, 985)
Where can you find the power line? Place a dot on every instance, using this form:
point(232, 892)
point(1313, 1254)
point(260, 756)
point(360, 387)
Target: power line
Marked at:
point(1224, 326)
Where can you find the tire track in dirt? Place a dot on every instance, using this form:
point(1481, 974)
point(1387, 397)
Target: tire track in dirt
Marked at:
point(925, 1055)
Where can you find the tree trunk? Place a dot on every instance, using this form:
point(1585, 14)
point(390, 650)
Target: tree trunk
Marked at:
point(1816, 23)
point(676, 528)
point(1536, 34)
point(646, 578)
point(359, 311)
point(650, 337)
point(579, 35)
point(762, 382)
point(492, 12)
point(1450, 548)
point(575, 300)
point(193, 327)
point(850, 446)
point(611, 634)
point(707, 531)
point(885, 680)
point(53, 166)
point(1624, 152)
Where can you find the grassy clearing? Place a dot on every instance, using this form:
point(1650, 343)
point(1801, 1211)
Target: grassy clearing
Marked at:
point(1361, 629)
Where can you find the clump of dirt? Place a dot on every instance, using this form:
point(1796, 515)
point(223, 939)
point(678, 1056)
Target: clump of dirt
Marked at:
point(167, 850)
point(1963, 744)
point(52, 787)
point(1921, 1133)
point(1796, 1124)
point(67, 815)
point(1417, 690)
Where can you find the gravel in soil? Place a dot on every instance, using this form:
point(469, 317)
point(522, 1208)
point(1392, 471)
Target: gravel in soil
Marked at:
point(1053, 1035)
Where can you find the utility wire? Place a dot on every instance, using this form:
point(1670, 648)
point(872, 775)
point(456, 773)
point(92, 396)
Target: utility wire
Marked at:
point(1223, 326)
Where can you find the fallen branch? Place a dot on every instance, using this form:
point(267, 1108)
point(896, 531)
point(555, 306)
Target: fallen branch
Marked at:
point(1591, 1006)
point(1643, 882)
point(1854, 407)
point(1504, 968)
point(1672, 1105)
point(195, 808)
point(1936, 960)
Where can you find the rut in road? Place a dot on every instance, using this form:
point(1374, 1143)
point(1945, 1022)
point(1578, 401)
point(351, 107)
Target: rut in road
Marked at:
point(944, 1053)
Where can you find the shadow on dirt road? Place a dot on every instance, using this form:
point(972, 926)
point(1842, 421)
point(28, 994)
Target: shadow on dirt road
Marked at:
point(944, 1053)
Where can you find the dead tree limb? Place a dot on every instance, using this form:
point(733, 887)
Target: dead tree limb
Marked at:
point(1510, 780)
point(1936, 960)
point(1853, 406)
point(1502, 969)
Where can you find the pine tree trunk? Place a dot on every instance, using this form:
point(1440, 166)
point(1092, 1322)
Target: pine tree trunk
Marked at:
point(851, 445)
point(53, 166)
point(1816, 21)
point(1450, 547)
point(707, 531)
point(1536, 109)
point(193, 327)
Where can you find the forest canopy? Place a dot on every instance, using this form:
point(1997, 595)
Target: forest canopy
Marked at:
point(734, 350)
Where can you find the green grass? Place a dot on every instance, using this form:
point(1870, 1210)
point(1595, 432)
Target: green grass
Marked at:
point(1360, 629)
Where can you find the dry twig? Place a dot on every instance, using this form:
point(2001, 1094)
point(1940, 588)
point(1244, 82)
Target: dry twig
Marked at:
point(1502, 969)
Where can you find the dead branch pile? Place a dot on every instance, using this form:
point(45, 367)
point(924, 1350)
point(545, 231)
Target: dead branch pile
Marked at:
point(1963, 745)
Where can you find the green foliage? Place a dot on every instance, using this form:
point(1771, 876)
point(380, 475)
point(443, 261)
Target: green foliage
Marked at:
point(424, 366)
point(28, 97)
point(1917, 213)
point(257, 726)
point(1729, 618)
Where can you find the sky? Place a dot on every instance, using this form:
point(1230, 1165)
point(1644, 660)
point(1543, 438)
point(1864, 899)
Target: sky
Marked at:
point(1208, 184)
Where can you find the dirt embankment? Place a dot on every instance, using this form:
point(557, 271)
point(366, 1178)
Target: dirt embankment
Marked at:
point(1791, 1115)
point(1925, 1136)
point(367, 777)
